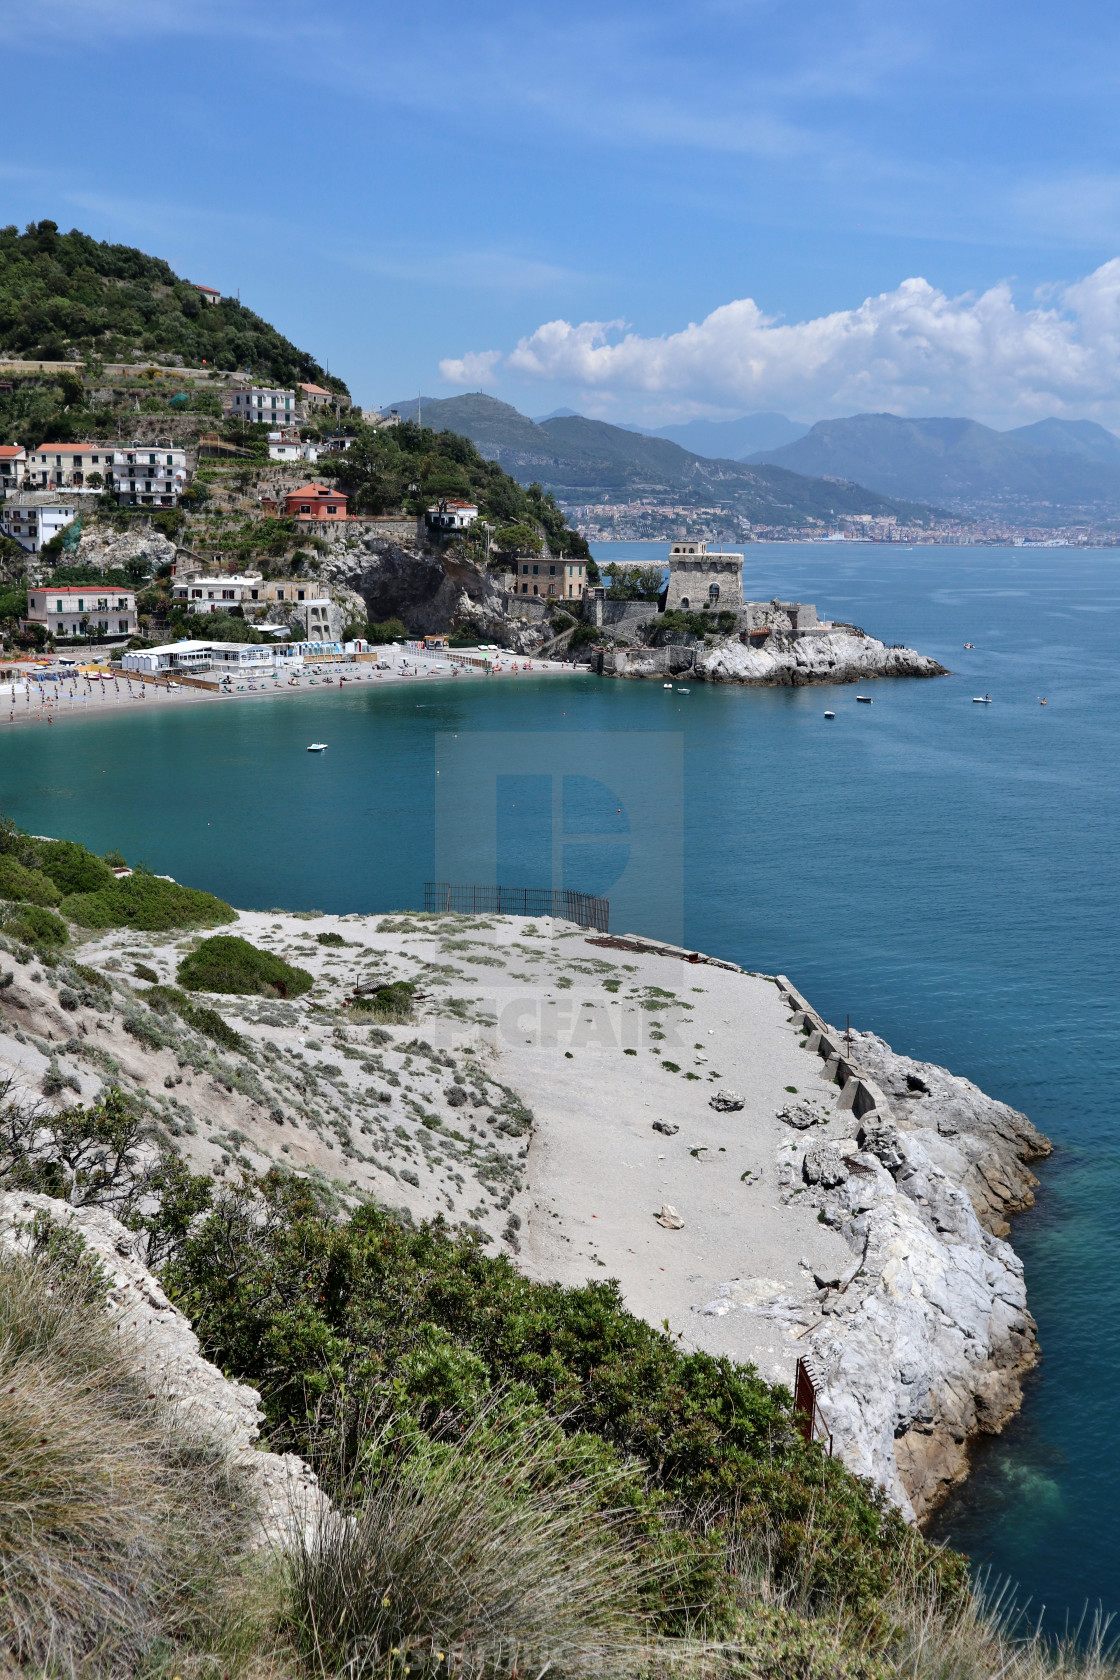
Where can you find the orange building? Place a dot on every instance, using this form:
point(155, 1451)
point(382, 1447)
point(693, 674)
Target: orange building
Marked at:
point(315, 501)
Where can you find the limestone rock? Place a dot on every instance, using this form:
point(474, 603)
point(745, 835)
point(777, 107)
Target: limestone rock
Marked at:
point(801, 1115)
point(669, 1218)
point(227, 1413)
point(664, 1127)
point(726, 1102)
point(824, 1165)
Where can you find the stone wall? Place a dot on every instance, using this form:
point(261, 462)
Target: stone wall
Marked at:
point(692, 581)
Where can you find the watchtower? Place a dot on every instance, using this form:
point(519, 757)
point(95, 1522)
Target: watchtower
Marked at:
point(698, 579)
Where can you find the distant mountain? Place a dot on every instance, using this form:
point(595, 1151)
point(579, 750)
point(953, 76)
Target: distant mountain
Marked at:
point(588, 460)
point(1051, 470)
point(734, 439)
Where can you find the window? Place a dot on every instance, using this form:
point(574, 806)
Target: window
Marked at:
point(552, 571)
point(122, 624)
point(536, 569)
point(684, 602)
point(304, 508)
point(332, 510)
point(713, 592)
point(301, 594)
point(58, 606)
point(279, 594)
point(525, 571)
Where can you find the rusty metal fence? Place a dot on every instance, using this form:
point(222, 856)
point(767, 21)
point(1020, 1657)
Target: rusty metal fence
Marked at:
point(582, 908)
point(807, 1408)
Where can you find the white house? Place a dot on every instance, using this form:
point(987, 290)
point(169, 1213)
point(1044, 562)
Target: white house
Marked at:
point(149, 476)
point(252, 593)
point(451, 516)
point(208, 294)
point(33, 517)
point(260, 405)
point(279, 450)
point(82, 609)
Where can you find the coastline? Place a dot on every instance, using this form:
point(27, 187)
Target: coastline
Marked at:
point(125, 693)
point(764, 1193)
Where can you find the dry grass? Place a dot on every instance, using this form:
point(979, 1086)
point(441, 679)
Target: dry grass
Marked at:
point(111, 1525)
point(475, 1563)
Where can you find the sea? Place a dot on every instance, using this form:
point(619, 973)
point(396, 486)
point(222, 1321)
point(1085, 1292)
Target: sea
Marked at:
point(940, 872)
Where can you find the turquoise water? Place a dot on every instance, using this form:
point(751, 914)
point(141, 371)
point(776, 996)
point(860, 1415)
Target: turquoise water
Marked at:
point(944, 873)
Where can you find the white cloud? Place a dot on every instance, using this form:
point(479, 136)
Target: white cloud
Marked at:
point(914, 350)
point(475, 367)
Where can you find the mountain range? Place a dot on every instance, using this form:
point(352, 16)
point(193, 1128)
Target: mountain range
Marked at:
point(1050, 471)
point(588, 460)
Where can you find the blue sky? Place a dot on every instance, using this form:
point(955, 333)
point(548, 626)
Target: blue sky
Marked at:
point(642, 211)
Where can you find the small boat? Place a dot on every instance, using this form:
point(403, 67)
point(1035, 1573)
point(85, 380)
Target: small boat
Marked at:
point(863, 699)
point(666, 685)
point(683, 691)
point(968, 644)
point(1041, 701)
point(830, 714)
point(981, 699)
point(317, 746)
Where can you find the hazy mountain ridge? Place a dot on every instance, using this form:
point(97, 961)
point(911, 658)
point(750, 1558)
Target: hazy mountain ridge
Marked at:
point(581, 459)
point(1052, 467)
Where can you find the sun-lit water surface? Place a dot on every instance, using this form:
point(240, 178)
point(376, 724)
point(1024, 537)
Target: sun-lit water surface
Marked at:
point(944, 873)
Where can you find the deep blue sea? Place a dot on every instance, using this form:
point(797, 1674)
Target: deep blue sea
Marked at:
point(944, 873)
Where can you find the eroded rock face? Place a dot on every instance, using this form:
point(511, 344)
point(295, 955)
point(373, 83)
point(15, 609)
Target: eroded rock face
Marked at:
point(983, 1145)
point(211, 1406)
point(845, 655)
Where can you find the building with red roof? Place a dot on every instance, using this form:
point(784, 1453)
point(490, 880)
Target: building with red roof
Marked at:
point(315, 501)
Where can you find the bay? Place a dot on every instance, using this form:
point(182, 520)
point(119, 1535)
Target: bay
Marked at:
point(944, 873)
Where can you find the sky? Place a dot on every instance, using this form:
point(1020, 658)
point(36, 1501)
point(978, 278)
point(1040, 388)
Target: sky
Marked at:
point(643, 211)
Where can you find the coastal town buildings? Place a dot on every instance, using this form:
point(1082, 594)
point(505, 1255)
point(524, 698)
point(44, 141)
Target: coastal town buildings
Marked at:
point(82, 609)
point(205, 658)
point(259, 405)
point(285, 449)
point(34, 517)
point(155, 477)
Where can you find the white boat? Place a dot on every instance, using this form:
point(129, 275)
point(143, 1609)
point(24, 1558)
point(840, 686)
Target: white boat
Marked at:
point(683, 691)
point(830, 714)
point(981, 699)
point(317, 746)
point(666, 685)
point(864, 699)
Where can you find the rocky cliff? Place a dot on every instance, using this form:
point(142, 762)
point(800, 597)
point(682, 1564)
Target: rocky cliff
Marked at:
point(842, 654)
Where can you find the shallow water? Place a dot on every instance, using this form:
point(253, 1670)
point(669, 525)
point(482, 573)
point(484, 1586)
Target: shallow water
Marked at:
point(944, 873)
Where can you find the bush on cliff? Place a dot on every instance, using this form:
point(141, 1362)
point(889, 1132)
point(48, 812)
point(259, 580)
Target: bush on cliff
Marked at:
point(148, 902)
point(337, 1323)
point(28, 886)
point(228, 963)
point(34, 925)
point(72, 868)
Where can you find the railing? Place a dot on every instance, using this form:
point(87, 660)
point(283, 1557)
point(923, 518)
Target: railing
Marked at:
point(581, 908)
point(807, 1408)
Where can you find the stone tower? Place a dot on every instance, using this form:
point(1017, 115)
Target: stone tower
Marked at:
point(698, 579)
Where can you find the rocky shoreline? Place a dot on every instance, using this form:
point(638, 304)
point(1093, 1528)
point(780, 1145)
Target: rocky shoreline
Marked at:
point(843, 655)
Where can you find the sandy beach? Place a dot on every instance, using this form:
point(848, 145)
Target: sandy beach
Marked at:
point(52, 701)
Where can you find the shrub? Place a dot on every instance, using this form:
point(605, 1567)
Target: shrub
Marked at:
point(196, 1015)
point(390, 630)
point(334, 1323)
point(147, 902)
point(392, 1003)
point(228, 963)
point(27, 885)
point(72, 868)
point(33, 924)
point(334, 939)
point(106, 1522)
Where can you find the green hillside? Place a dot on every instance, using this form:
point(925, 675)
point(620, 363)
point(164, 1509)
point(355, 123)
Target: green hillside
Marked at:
point(67, 296)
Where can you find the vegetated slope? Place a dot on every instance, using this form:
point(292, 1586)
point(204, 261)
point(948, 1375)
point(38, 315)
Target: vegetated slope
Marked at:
point(65, 295)
point(1052, 466)
point(410, 466)
point(577, 458)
